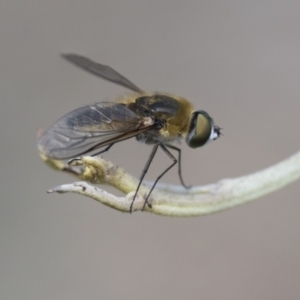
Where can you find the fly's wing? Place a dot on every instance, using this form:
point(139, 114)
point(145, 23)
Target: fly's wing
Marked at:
point(89, 128)
point(103, 71)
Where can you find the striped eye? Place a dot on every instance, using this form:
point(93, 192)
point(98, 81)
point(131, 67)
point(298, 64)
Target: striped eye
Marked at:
point(202, 130)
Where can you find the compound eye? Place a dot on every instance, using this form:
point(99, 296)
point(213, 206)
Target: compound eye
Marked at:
point(201, 129)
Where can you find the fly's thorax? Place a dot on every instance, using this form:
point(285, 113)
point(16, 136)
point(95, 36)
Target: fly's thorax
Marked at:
point(130, 98)
point(171, 114)
point(178, 125)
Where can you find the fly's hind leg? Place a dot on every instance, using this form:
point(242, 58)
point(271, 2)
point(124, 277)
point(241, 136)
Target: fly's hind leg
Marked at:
point(104, 150)
point(71, 161)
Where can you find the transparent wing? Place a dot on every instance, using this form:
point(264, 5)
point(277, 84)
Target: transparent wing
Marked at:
point(89, 128)
point(103, 71)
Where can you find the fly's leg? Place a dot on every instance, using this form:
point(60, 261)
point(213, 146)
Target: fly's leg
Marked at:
point(143, 175)
point(163, 147)
point(102, 151)
point(179, 165)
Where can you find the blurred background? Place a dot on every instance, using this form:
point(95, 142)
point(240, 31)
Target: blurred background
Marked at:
point(238, 60)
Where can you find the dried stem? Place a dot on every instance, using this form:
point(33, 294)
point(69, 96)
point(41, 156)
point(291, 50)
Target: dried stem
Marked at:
point(172, 200)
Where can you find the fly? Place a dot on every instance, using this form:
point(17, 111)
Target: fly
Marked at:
point(156, 119)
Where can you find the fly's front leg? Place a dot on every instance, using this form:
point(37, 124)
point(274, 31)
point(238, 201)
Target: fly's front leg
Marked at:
point(179, 165)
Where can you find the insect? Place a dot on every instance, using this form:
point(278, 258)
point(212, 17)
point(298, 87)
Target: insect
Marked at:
point(156, 119)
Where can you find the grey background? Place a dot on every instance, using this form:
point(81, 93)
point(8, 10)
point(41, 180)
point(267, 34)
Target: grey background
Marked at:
point(239, 60)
